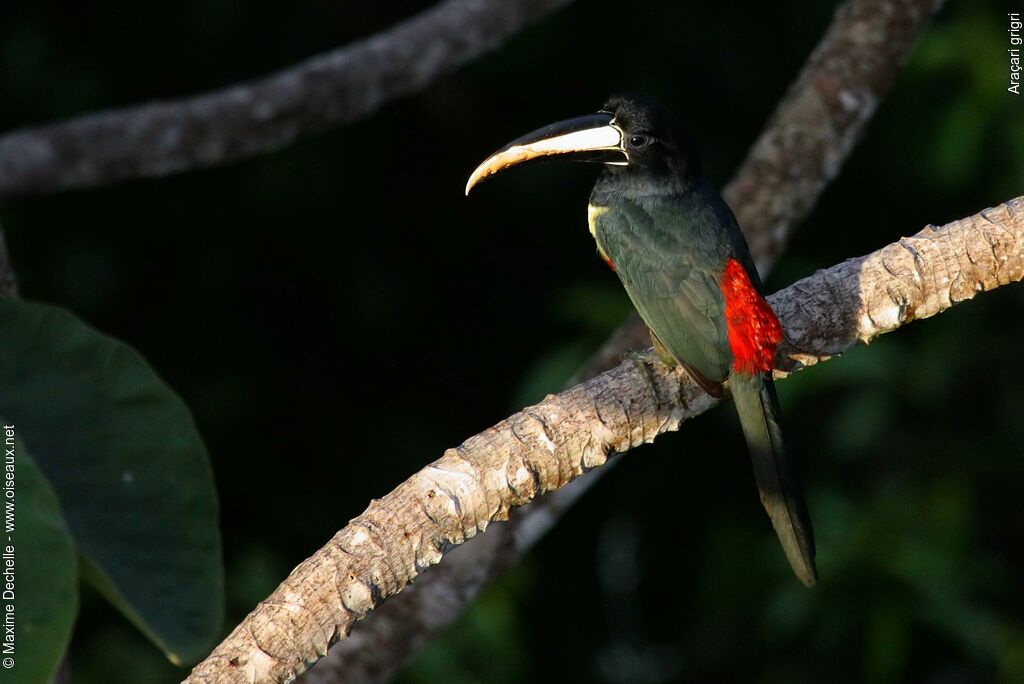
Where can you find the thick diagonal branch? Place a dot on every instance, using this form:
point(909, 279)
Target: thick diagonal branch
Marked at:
point(334, 88)
point(800, 150)
point(545, 446)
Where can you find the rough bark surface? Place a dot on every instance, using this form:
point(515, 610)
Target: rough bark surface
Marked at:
point(375, 649)
point(801, 149)
point(915, 277)
point(547, 445)
point(334, 88)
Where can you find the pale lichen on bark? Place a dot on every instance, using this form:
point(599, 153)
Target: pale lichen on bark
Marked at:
point(548, 445)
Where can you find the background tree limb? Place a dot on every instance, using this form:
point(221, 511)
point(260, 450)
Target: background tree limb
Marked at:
point(547, 445)
point(801, 149)
point(817, 123)
point(338, 87)
point(8, 283)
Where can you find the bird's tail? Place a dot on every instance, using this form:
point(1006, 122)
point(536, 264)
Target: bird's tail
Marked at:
point(777, 480)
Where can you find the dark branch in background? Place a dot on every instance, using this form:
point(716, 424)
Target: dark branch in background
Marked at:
point(545, 446)
point(822, 116)
point(801, 149)
point(8, 283)
point(334, 88)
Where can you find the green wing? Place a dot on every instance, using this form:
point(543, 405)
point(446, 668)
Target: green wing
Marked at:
point(669, 261)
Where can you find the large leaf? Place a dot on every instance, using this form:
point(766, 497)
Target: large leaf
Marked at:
point(128, 466)
point(45, 579)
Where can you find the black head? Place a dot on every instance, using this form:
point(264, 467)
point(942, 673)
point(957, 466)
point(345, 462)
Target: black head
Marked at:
point(653, 139)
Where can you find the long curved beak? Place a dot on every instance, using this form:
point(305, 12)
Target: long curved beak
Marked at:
point(593, 137)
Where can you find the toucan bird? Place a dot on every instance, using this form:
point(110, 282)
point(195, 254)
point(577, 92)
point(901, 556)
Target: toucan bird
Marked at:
point(675, 245)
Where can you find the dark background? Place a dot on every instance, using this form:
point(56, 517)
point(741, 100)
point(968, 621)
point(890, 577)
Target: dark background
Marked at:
point(337, 314)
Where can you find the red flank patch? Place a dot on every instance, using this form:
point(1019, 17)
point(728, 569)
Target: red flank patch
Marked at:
point(754, 331)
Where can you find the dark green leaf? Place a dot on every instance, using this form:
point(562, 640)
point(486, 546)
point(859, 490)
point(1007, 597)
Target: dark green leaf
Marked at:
point(44, 575)
point(128, 466)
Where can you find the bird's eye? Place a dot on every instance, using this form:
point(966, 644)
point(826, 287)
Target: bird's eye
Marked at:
point(638, 140)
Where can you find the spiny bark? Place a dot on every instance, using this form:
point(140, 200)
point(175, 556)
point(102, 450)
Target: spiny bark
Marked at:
point(547, 445)
point(252, 118)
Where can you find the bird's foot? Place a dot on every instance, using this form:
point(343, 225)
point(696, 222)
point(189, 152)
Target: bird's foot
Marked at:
point(644, 357)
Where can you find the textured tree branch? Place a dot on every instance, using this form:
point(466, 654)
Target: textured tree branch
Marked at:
point(799, 152)
point(545, 446)
point(334, 88)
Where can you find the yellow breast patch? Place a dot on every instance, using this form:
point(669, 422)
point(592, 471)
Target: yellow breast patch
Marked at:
point(592, 215)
